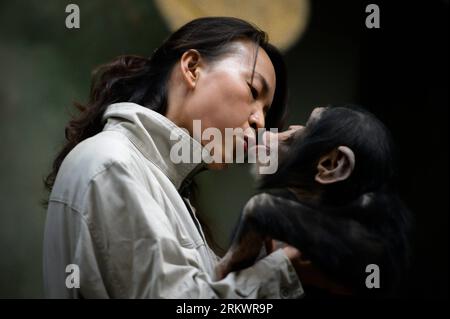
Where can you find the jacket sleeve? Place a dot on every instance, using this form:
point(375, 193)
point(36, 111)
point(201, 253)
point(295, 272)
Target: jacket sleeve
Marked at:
point(127, 248)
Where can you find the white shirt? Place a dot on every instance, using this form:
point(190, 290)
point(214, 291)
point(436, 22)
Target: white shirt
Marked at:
point(115, 212)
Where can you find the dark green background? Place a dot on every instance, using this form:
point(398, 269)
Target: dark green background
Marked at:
point(400, 72)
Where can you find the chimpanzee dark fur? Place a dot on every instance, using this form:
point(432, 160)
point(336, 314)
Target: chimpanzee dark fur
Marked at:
point(350, 224)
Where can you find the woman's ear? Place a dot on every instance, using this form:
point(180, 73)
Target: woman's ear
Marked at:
point(335, 166)
point(190, 63)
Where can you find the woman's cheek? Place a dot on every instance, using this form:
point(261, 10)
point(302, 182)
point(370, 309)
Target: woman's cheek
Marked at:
point(239, 106)
point(227, 104)
point(226, 113)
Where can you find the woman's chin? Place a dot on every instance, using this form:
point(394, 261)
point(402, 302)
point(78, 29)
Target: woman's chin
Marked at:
point(255, 157)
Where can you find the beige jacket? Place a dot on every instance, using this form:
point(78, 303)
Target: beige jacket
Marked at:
point(116, 214)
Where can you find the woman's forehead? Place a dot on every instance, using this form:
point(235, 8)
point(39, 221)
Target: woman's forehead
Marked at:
point(244, 53)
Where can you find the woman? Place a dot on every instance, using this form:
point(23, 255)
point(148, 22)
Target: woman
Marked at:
point(117, 209)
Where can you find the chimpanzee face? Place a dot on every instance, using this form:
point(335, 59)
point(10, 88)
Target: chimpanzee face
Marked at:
point(286, 138)
point(295, 132)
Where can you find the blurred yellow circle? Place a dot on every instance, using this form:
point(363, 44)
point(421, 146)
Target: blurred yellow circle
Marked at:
point(283, 20)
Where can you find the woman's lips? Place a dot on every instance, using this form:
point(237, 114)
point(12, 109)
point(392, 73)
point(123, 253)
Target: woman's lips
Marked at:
point(250, 142)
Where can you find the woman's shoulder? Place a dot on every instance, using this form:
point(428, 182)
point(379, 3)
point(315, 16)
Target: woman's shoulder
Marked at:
point(107, 151)
point(100, 150)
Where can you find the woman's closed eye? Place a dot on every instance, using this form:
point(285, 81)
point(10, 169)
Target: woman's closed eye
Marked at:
point(253, 91)
point(255, 94)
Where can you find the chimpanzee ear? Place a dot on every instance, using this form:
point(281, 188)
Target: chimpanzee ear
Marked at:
point(335, 166)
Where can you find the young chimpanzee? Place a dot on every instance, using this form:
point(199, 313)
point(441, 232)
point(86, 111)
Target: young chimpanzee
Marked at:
point(334, 199)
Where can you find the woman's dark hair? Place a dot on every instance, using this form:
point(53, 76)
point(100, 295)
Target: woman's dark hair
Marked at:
point(143, 80)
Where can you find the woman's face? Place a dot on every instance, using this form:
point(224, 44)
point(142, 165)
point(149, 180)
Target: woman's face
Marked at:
point(225, 95)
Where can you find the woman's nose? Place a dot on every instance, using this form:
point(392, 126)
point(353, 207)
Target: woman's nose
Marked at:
point(256, 120)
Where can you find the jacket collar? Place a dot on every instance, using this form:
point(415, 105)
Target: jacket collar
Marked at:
point(154, 135)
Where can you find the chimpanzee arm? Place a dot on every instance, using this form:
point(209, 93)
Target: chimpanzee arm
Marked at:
point(264, 216)
point(321, 234)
